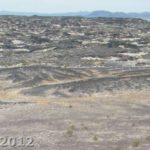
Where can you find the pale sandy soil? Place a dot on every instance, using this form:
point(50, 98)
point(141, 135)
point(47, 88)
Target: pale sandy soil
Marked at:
point(117, 121)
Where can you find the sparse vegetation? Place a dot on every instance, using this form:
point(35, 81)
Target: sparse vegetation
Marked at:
point(38, 40)
point(24, 62)
point(116, 43)
point(7, 53)
point(70, 131)
point(133, 125)
point(148, 138)
point(118, 148)
point(136, 144)
point(70, 106)
point(95, 138)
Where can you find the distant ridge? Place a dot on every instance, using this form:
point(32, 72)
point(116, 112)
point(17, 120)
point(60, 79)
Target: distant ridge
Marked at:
point(9, 13)
point(144, 15)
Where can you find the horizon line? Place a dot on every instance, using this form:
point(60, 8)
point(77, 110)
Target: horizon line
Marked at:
point(82, 11)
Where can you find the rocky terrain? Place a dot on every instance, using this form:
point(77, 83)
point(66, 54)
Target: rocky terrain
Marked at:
point(75, 83)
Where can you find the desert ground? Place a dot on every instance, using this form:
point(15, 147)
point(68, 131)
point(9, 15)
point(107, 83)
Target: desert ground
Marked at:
point(70, 83)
